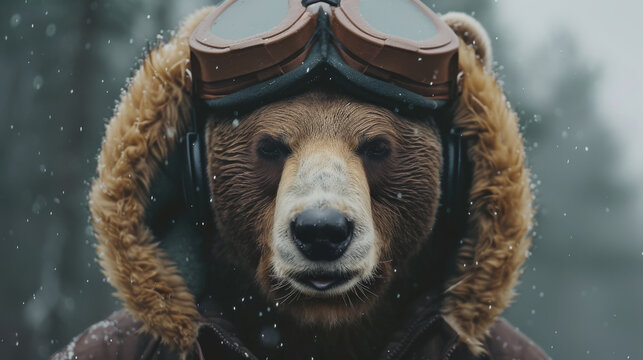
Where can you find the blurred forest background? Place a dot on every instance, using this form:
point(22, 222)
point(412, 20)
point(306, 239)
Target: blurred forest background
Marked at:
point(63, 65)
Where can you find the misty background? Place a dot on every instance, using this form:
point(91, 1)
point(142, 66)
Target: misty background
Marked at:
point(569, 69)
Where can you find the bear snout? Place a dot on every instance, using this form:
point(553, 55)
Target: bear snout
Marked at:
point(322, 234)
point(323, 223)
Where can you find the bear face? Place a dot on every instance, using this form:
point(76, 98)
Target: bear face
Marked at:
point(321, 197)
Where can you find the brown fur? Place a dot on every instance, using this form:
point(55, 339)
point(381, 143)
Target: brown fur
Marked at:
point(489, 263)
point(245, 188)
point(153, 114)
point(135, 143)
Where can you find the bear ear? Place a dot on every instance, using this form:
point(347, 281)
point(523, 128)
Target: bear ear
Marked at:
point(473, 34)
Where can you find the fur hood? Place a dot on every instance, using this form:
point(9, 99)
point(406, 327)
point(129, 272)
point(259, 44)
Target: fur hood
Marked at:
point(157, 277)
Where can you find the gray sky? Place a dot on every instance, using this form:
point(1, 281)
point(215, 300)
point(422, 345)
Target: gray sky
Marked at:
point(611, 38)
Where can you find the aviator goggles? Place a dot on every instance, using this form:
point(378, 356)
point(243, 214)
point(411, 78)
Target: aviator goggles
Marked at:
point(398, 53)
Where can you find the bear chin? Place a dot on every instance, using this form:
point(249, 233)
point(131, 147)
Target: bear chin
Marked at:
point(342, 305)
point(327, 311)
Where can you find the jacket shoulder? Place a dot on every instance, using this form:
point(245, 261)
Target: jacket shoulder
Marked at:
point(506, 343)
point(117, 337)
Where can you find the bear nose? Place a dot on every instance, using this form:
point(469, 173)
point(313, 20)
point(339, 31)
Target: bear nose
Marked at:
point(322, 234)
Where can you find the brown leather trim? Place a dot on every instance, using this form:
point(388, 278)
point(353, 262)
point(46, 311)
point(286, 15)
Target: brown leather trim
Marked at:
point(429, 61)
point(217, 89)
point(505, 342)
point(437, 91)
point(214, 59)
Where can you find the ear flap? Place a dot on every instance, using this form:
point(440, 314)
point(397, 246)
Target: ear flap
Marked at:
point(473, 34)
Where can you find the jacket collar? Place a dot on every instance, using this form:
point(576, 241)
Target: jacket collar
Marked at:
point(424, 331)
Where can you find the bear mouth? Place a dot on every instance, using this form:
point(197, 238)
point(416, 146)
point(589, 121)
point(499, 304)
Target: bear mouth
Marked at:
point(323, 281)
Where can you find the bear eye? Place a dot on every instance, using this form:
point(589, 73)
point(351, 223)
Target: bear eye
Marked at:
point(377, 149)
point(272, 149)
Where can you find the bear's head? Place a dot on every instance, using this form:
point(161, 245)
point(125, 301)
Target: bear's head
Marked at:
point(321, 197)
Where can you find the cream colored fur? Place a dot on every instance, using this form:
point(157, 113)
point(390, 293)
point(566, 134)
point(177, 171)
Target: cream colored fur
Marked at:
point(473, 34)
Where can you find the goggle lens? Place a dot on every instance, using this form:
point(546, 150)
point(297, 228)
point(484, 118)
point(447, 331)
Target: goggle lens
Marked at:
point(403, 19)
point(237, 22)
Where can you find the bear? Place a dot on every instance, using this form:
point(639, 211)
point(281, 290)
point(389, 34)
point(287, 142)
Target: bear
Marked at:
point(259, 282)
